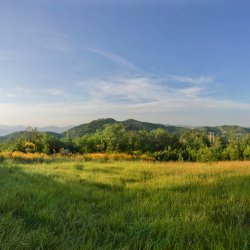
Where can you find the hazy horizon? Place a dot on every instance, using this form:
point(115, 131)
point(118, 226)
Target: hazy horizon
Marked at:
point(182, 62)
point(119, 120)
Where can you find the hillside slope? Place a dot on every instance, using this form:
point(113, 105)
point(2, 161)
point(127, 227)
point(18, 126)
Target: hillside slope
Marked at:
point(13, 136)
point(130, 124)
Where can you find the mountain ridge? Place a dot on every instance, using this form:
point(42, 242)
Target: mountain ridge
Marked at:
point(7, 130)
point(131, 124)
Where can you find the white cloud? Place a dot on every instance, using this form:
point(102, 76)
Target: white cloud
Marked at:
point(54, 92)
point(7, 93)
point(191, 91)
point(117, 59)
point(151, 97)
point(170, 110)
point(145, 98)
point(20, 93)
point(134, 89)
point(192, 80)
point(144, 88)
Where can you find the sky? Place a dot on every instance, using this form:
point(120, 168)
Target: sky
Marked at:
point(180, 62)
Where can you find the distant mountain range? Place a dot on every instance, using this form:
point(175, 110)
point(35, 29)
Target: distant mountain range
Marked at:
point(6, 130)
point(91, 127)
point(131, 124)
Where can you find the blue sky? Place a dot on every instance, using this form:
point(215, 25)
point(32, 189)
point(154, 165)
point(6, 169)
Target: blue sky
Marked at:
point(65, 62)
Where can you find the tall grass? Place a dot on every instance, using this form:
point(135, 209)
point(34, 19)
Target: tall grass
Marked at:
point(20, 157)
point(125, 205)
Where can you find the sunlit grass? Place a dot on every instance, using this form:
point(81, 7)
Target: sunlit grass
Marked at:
point(125, 205)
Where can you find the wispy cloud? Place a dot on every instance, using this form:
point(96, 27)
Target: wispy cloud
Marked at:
point(191, 91)
point(5, 94)
point(142, 97)
point(192, 80)
point(146, 94)
point(170, 110)
point(117, 59)
point(20, 93)
point(130, 89)
point(12, 93)
point(61, 92)
point(147, 89)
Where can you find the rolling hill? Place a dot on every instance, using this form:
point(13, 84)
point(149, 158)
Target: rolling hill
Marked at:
point(13, 136)
point(6, 130)
point(131, 124)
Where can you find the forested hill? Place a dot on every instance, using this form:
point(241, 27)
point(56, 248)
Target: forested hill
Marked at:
point(93, 126)
point(89, 128)
point(27, 134)
point(134, 125)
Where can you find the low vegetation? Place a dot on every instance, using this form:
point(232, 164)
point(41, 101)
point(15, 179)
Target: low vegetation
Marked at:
point(79, 204)
point(20, 157)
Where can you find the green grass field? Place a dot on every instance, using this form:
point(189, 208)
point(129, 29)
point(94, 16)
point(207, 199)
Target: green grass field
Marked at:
point(125, 205)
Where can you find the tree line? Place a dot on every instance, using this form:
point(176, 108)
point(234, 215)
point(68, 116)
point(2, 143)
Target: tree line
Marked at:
point(193, 145)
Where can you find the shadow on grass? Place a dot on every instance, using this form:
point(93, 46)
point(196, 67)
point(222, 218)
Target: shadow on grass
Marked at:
point(67, 213)
point(98, 215)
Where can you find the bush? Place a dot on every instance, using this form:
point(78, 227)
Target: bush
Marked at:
point(206, 155)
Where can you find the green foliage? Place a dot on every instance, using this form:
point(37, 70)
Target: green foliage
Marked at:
point(206, 155)
point(114, 138)
point(168, 154)
point(89, 143)
point(233, 150)
point(111, 136)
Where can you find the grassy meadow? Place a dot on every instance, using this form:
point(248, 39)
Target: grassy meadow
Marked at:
point(124, 205)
